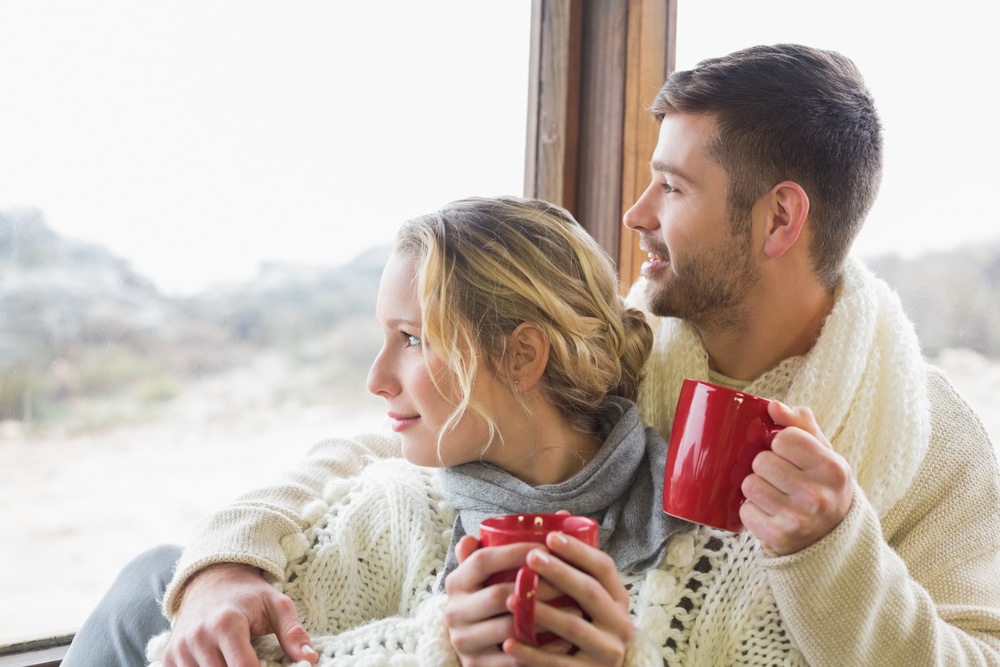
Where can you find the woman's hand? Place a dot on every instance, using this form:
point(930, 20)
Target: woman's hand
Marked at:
point(476, 614)
point(222, 608)
point(590, 577)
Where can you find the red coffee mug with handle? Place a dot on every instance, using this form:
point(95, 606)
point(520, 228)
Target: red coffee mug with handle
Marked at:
point(716, 434)
point(514, 528)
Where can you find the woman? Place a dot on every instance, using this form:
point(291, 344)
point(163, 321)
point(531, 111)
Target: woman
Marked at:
point(508, 367)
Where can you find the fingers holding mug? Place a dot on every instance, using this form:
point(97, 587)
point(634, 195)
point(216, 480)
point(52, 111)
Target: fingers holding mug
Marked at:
point(528, 529)
point(800, 490)
point(598, 625)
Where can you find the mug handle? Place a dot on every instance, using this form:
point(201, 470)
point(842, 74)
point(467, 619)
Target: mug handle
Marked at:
point(526, 591)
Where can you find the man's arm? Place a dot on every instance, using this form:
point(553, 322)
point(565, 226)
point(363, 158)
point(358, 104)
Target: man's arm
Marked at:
point(921, 587)
point(250, 530)
point(219, 598)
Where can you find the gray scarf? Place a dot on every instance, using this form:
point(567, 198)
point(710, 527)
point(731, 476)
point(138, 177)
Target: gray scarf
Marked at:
point(621, 488)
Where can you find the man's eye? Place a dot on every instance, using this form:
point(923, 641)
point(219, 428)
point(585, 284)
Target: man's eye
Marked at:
point(669, 188)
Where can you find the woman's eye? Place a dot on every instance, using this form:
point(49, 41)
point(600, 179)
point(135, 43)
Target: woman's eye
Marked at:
point(411, 340)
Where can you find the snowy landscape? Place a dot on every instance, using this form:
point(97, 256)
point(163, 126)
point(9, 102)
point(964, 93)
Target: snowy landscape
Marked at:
point(77, 507)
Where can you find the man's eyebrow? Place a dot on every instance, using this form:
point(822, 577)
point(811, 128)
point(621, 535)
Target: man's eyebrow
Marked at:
point(665, 168)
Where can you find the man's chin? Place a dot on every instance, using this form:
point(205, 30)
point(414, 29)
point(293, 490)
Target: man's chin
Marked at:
point(654, 300)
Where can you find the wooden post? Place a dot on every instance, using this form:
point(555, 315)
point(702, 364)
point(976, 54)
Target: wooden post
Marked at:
point(595, 68)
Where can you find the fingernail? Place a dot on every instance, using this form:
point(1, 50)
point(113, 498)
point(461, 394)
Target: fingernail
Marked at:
point(541, 556)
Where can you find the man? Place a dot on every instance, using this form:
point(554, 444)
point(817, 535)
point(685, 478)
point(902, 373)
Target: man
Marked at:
point(872, 528)
point(885, 548)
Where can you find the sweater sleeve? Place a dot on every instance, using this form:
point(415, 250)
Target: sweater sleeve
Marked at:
point(921, 587)
point(250, 529)
point(418, 641)
point(398, 641)
point(365, 569)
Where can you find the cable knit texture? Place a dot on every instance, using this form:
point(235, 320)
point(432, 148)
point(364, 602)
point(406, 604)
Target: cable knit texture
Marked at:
point(910, 577)
point(364, 570)
point(374, 547)
point(864, 380)
point(878, 590)
point(250, 530)
point(714, 599)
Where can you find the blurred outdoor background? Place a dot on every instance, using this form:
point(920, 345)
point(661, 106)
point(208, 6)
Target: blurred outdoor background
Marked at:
point(197, 198)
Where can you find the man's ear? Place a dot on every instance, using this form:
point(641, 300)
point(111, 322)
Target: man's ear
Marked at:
point(527, 354)
point(787, 210)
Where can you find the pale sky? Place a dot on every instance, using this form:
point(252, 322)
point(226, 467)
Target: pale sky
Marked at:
point(932, 67)
point(198, 138)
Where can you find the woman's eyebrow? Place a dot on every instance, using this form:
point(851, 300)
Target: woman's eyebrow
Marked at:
point(397, 322)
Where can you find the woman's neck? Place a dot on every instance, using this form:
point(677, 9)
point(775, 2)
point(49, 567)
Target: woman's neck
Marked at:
point(542, 447)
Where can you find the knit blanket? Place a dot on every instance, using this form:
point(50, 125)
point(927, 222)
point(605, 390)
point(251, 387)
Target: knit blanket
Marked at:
point(865, 381)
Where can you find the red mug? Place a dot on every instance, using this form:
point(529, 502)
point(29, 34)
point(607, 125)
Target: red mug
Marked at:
point(716, 434)
point(514, 528)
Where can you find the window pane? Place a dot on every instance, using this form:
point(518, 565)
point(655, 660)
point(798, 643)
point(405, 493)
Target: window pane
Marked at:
point(196, 200)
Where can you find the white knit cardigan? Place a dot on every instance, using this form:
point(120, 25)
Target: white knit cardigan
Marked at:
point(714, 599)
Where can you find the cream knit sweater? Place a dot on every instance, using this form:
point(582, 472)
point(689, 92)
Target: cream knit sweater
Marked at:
point(911, 577)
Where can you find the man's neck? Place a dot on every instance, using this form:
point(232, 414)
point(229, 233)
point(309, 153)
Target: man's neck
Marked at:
point(775, 328)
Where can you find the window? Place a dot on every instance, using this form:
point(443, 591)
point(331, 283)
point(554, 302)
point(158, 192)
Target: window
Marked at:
point(195, 203)
point(156, 156)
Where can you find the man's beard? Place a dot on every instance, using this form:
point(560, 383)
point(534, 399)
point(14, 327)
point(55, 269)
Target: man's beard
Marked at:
point(712, 290)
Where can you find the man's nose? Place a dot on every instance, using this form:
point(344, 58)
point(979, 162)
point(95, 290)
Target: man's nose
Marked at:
point(641, 215)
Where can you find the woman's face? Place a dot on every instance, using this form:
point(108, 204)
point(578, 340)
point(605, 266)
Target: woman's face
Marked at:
point(404, 371)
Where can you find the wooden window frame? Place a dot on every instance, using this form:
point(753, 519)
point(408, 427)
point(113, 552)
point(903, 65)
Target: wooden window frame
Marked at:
point(595, 69)
point(45, 652)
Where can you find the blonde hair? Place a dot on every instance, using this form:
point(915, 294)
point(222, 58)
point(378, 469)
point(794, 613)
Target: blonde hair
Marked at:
point(486, 265)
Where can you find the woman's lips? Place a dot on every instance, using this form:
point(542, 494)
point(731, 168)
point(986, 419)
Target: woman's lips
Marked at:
point(402, 422)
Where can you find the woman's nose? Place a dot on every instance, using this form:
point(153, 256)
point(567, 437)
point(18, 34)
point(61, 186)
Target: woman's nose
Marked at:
point(378, 381)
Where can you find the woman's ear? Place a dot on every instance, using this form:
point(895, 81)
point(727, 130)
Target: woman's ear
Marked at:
point(788, 208)
point(527, 354)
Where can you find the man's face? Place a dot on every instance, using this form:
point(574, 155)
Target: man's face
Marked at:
point(699, 268)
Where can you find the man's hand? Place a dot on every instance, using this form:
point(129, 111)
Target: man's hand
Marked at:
point(222, 608)
point(800, 490)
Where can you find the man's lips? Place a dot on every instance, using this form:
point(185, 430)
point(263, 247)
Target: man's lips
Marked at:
point(655, 261)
